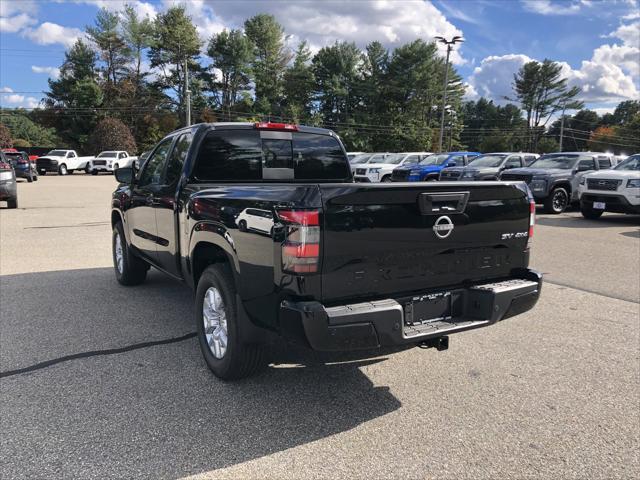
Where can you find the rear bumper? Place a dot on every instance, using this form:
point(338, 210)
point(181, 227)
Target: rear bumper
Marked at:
point(8, 189)
point(389, 322)
point(613, 202)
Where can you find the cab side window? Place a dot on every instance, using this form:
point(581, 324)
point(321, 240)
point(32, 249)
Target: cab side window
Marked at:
point(514, 162)
point(177, 159)
point(411, 159)
point(585, 165)
point(152, 170)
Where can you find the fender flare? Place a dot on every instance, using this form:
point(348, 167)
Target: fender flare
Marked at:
point(217, 235)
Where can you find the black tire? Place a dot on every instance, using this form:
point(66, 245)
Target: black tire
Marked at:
point(386, 179)
point(12, 202)
point(87, 170)
point(557, 201)
point(134, 269)
point(43, 172)
point(94, 172)
point(30, 178)
point(242, 226)
point(35, 176)
point(590, 213)
point(431, 179)
point(62, 170)
point(240, 359)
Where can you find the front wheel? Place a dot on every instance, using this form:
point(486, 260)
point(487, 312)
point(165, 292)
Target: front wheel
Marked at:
point(590, 213)
point(386, 178)
point(87, 169)
point(217, 326)
point(30, 178)
point(62, 170)
point(130, 270)
point(43, 172)
point(242, 226)
point(557, 202)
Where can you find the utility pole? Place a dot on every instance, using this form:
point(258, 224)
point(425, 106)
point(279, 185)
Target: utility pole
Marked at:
point(187, 92)
point(449, 44)
point(564, 106)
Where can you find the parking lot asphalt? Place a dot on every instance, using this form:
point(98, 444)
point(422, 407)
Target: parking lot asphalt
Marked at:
point(553, 393)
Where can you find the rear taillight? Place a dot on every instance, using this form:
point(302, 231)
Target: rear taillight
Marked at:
point(5, 166)
point(532, 220)
point(276, 126)
point(301, 246)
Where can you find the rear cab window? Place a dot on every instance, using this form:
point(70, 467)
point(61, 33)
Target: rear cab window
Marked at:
point(252, 155)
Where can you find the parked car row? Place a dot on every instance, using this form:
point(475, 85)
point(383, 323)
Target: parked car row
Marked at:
point(8, 188)
point(65, 162)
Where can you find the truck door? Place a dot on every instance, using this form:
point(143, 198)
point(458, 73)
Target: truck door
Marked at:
point(141, 214)
point(166, 208)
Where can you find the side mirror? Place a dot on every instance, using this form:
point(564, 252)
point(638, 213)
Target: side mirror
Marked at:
point(124, 175)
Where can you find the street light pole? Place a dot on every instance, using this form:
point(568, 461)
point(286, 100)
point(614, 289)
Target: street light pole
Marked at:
point(564, 106)
point(187, 92)
point(449, 44)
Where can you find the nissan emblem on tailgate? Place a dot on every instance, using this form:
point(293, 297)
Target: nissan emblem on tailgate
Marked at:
point(443, 227)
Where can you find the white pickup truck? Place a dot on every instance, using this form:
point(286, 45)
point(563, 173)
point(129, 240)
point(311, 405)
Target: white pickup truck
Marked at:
point(62, 161)
point(109, 161)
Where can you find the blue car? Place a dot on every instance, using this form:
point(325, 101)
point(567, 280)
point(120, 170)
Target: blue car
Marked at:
point(429, 168)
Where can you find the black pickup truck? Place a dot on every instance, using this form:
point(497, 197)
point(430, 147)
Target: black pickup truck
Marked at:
point(265, 222)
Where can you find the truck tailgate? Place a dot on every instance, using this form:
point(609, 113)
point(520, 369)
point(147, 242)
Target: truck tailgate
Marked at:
point(390, 239)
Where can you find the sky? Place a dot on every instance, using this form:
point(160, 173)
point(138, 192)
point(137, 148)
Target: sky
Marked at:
point(596, 41)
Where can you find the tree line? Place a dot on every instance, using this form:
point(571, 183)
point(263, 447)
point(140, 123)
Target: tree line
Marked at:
point(126, 80)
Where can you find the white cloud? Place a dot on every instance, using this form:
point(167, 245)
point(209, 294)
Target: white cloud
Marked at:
point(547, 7)
point(493, 78)
point(16, 23)
point(53, 72)
point(51, 33)
point(143, 9)
point(322, 23)
point(17, 100)
point(612, 74)
point(9, 8)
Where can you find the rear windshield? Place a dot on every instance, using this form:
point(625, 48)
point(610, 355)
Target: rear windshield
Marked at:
point(631, 163)
point(242, 155)
point(487, 161)
point(560, 161)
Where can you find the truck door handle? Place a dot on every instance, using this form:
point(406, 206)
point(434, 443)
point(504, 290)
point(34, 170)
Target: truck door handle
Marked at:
point(441, 203)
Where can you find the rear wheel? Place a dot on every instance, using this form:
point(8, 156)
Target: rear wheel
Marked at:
point(557, 202)
point(590, 213)
point(30, 178)
point(62, 170)
point(242, 226)
point(130, 270)
point(217, 326)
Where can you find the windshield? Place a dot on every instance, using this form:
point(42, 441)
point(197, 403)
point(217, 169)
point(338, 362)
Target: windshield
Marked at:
point(57, 153)
point(394, 159)
point(631, 163)
point(363, 158)
point(108, 155)
point(488, 161)
point(564, 162)
point(435, 159)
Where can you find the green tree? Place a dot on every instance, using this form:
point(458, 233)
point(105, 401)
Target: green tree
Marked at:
point(270, 60)
point(138, 35)
point(336, 71)
point(72, 100)
point(6, 140)
point(547, 145)
point(231, 53)
point(626, 111)
point(175, 42)
point(112, 48)
point(111, 134)
point(629, 135)
point(577, 129)
point(299, 83)
point(541, 91)
point(22, 127)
